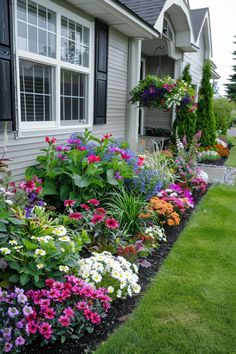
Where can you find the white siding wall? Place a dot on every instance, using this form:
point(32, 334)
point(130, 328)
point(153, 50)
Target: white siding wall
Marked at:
point(22, 152)
point(196, 60)
point(158, 118)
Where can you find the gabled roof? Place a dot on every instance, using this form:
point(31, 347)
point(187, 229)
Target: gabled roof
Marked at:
point(148, 10)
point(197, 17)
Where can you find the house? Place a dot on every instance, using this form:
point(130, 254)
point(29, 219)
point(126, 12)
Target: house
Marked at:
point(68, 65)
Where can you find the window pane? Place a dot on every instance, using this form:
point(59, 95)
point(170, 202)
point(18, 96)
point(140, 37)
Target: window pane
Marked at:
point(42, 42)
point(41, 22)
point(21, 10)
point(32, 12)
point(78, 33)
point(85, 51)
point(64, 29)
point(86, 36)
point(32, 33)
point(35, 91)
point(42, 17)
point(73, 97)
point(22, 35)
point(72, 30)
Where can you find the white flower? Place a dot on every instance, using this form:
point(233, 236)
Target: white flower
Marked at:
point(64, 268)
point(64, 239)
point(110, 289)
point(119, 294)
point(60, 231)
point(40, 266)
point(97, 278)
point(39, 252)
point(13, 242)
point(5, 250)
point(62, 249)
point(136, 288)
point(44, 239)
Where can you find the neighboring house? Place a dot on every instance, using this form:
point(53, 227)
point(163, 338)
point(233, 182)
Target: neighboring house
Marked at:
point(68, 65)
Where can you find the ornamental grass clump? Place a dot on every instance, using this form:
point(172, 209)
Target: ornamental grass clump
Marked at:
point(115, 274)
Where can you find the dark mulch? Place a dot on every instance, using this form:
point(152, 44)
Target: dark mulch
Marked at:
point(121, 309)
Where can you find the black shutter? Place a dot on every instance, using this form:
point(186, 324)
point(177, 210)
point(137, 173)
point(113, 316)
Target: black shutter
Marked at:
point(101, 64)
point(6, 62)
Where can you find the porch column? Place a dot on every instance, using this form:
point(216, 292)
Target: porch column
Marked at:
point(133, 78)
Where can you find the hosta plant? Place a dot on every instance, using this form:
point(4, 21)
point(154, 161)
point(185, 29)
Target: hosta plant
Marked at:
point(115, 274)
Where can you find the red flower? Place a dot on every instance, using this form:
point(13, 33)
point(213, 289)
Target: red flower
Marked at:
point(49, 313)
point(125, 156)
point(94, 202)
point(38, 189)
point(81, 148)
point(85, 207)
point(97, 218)
point(69, 202)
point(112, 223)
point(94, 158)
point(140, 161)
point(64, 321)
point(100, 211)
point(106, 137)
point(50, 140)
point(75, 216)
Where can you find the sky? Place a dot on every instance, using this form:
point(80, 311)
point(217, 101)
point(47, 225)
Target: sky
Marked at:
point(223, 28)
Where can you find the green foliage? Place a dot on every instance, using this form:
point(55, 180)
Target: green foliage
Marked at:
point(185, 121)
point(223, 113)
point(231, 87)
point(205, 115)
point(126, 208)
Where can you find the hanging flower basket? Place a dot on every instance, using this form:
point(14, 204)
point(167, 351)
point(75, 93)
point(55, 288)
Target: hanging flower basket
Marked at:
point(163, 93)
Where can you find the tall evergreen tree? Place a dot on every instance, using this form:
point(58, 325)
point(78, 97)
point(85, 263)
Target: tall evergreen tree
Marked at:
point(185, 121)
point(231, 87)
point(205, 115)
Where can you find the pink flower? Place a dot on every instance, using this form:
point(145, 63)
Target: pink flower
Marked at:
point(94, 158)
point(81, 148)
point(69, 202)
point(32, 327)
point(85, 207)
point(50, 141)
point(82, 305)
point(45, 329)
point(95, 318)
point(49, 313)
point(97, 218)
point(8, 347)
point(19, 341)
point(112, 223)
point(64, 321)
point(75, 216)
point(69, 312)
point(94, 202)
point(100, 211)
point(140, 161)
point(125, 156)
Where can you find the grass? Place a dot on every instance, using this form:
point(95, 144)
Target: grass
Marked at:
point(191, 305)
point(231, 161)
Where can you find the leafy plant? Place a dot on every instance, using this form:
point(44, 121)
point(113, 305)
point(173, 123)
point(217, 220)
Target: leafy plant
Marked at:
point(126, 208)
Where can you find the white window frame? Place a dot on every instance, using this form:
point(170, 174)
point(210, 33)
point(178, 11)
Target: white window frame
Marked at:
point(57, 64)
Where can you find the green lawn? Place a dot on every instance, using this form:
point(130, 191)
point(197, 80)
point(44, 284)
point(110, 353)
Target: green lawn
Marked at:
point(191, 305)
point(231, 161)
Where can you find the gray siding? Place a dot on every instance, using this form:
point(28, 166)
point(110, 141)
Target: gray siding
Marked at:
point(196, 61)
point(158, 118)
point(23, 151)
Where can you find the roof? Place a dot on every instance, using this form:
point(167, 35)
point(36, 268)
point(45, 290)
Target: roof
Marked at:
point(149, 10)
point(197, 17)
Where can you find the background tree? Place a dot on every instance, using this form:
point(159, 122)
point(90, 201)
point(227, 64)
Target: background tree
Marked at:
point(205, 115)
point(185, 120)
point(231, 87)
point(223, 111)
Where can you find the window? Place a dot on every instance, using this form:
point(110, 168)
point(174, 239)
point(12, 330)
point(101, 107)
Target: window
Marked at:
point(54, 66)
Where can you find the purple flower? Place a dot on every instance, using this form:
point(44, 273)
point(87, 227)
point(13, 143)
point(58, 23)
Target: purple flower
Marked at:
point(19, 341)
point(27, 310)
point(19, 291)
point(40, 203)
point(73, 141)
point(7, 332)
point(21, 298)
point(118, 176)
point(61, 157)
point(8, 347)
point(12, 312)
point(62, 148)
point(20, 324)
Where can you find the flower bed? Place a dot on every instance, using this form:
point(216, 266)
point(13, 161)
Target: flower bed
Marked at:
point(72, 254)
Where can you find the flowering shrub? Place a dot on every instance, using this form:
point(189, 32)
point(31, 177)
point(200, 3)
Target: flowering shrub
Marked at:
point(85, 167)
point(66, 309)
point(208, 155)
point(114, 273)
point(222, 150)
point(14, 309)
point(164, 211)
point(154, 92)
point(41, 248)
point(180, 198)
point(199, 183)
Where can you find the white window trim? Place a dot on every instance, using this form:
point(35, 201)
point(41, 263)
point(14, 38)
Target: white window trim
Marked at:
point(29, 128)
